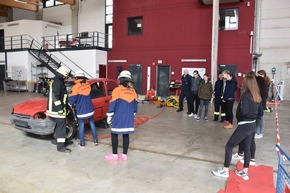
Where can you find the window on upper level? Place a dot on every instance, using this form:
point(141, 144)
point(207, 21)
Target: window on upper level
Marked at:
point(51, 3)
point(135, 25)
point(228, 19)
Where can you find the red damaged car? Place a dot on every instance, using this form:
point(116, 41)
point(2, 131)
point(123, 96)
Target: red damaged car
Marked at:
point(30, 116)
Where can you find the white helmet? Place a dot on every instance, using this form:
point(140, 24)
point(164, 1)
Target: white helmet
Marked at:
point(124, 74)
point(63, 71)
point(79, 74)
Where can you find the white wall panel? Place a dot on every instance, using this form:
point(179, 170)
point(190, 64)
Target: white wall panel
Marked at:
point(19, 14)
point(275, 23)
point(276, 33)
point(88, 60)
point(92, 15)
point(17, 66)
point(275, 40)
point(61, 14)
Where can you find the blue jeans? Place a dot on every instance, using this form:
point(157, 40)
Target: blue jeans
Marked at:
point(260, 125)
point(204, 103)
point(81, 129)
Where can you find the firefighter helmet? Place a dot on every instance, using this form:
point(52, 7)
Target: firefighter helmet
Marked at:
point(63, 71)
point(80, 74)
point(125, 75)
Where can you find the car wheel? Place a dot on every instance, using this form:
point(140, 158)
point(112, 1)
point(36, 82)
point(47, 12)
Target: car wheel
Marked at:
point(70, 130)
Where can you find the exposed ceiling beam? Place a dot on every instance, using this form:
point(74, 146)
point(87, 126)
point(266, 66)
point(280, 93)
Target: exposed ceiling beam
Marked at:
point(70, 2)
point(3, 14)
point(26, 6)
point(2, 7)
point(3, 11)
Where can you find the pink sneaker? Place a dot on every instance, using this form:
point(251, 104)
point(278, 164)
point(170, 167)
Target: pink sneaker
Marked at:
point(112, 157)
point(124, 157)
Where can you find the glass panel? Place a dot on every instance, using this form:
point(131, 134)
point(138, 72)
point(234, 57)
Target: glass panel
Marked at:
point(135, 26)
point(49, 3)
point(228, 19)
point(109, 19)
point(110, 38)
point(109, 2)
point(58, 3)
point(109, 10)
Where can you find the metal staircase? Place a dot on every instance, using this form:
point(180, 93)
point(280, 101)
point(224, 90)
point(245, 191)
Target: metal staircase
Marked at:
point(47, 59)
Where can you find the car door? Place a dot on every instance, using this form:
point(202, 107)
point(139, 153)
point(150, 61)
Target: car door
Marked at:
point(101, 97)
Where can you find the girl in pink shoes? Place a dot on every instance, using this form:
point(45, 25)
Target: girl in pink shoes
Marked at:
point(122, 108)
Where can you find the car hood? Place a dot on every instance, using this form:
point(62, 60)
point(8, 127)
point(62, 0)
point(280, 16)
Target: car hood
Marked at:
point(31, 107)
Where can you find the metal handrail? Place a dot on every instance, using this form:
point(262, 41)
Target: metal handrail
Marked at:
point(84, 39)
point(27, 42)
point(55, 58)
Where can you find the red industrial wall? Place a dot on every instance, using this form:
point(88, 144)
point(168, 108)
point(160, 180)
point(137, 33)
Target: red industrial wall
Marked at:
point(175, 30)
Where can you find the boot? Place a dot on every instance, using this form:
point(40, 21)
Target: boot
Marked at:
point(228, 126)
point(216, 117)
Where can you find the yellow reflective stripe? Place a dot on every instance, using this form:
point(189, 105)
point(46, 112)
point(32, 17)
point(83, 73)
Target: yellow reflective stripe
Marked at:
point(216, 113)
point(64, 98)
point(60, 140)
point(56, 103)
point(55, 114)
point(50, 96)
point(223, 114)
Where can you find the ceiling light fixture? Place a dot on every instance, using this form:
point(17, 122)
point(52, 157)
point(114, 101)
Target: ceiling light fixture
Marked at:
point(19, 1)
point(27, 2)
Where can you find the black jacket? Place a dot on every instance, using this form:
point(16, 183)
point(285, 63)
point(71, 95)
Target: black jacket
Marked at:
point(218, 88)
point(57, 98)
point(230, 90)
point(263, 90)
point(185, 83)
point(247, 109)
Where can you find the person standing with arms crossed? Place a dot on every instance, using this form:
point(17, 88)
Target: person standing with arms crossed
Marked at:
point(56, 107)
point(122, 109)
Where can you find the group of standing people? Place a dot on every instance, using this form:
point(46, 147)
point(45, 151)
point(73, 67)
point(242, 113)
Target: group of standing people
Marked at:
point(249, 114)
point(198, 93)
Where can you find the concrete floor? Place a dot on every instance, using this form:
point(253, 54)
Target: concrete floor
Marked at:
point(168, 153)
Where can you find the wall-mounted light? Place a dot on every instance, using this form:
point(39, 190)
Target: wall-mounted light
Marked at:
point(193, 60)
point(117, 61)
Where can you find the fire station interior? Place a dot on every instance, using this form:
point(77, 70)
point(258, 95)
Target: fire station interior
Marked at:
point(169, 151)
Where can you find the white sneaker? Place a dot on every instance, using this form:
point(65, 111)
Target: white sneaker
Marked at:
point(221, 173)
point(252, 162)
point(195, 116)
point(237, 156)
point(258, 136)
point(190, 115)
point(242, 174)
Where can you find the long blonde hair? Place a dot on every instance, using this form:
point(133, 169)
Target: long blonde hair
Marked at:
point(250, 85)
